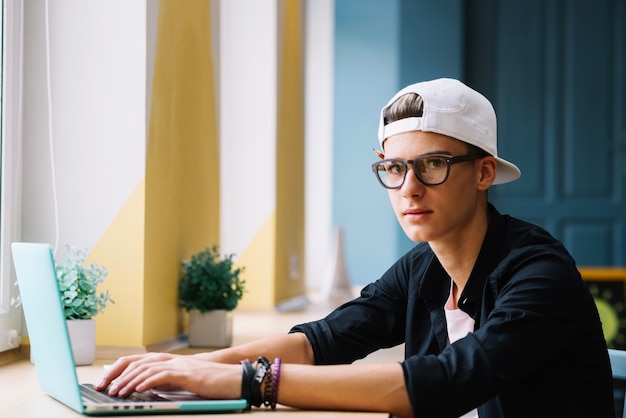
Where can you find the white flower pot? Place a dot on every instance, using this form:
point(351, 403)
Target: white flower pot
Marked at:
point(211, 328)
point(83, 339)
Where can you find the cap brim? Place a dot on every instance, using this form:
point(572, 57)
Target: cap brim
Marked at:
point(507, 172)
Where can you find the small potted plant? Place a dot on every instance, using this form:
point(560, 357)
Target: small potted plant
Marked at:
point(210, 288)
point(81, 301)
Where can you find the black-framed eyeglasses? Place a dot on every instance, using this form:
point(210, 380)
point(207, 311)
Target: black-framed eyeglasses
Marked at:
point(431, 170)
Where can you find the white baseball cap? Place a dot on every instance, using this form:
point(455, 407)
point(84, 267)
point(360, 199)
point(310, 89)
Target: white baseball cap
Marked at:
point(451, 108)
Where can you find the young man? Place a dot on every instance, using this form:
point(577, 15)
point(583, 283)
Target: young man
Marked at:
point(495, 317)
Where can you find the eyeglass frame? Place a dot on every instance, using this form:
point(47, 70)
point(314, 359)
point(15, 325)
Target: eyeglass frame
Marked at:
point(449, 160)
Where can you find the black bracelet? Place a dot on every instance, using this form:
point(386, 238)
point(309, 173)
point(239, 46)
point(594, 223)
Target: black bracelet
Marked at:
point(267, 393)
point(256, 398)
point(247, 380)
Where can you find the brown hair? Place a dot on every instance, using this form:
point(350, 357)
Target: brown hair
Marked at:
point(411, 105)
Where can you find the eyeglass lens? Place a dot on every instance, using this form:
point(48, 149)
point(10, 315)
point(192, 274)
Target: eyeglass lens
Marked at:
point(430, 170)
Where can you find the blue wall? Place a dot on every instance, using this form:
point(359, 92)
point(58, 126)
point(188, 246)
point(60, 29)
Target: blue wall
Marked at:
point(366, 76)
point(380, 46)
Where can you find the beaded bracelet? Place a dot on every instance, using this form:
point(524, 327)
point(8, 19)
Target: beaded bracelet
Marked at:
point(259, 375)
point(275, 381)
point(267, 379)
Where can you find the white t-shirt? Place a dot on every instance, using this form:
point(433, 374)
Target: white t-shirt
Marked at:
point(459, 325)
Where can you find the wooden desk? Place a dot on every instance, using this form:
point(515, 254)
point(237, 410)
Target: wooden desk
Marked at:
point(18, 379)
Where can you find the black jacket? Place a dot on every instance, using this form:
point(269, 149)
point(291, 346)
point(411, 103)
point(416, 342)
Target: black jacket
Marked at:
point(537, 350)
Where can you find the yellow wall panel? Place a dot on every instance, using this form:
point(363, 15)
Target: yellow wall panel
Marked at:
point(259, 273)
point(182, 168)
point(290, 156)
point(120, 250)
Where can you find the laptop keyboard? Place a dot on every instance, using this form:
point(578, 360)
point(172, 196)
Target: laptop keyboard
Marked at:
point(89, 393)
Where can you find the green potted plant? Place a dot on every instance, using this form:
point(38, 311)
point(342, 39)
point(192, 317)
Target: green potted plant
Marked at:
point(81, 301)
point(210, 288)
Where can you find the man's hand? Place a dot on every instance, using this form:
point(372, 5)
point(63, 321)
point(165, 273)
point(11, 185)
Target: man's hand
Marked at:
point(171, 372)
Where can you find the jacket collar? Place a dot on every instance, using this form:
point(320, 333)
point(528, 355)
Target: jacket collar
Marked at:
point(435, 287)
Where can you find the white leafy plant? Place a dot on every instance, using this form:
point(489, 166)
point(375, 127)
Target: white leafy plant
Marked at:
point(78, 285)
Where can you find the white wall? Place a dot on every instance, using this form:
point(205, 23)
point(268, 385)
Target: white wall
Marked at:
point(319, 50)
point(101, 55)
point(10, 317)
point(92, 150)
point(248, 100)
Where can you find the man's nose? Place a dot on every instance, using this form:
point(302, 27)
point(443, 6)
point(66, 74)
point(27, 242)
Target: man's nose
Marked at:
point(412, 184)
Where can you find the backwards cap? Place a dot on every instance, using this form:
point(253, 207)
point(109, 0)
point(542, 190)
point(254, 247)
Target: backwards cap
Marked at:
point(453, 109)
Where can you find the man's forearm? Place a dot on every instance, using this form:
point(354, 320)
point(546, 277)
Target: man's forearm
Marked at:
point(291, 348)
point(355, 387)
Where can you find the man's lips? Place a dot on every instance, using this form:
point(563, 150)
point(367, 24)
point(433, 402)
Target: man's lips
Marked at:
point(415, 212)
point(416, 215)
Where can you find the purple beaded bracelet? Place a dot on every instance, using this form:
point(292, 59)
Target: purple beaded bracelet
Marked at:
point(275, 381)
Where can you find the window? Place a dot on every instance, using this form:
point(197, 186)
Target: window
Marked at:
point(10, 143)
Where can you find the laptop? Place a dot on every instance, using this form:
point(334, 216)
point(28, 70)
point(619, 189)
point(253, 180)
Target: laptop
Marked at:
point(52, 352)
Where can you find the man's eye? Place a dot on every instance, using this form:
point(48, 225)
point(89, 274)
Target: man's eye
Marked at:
point(394, 168)
point(434, 163)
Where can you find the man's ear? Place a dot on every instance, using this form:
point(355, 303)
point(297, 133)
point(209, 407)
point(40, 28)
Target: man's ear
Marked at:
point(487, 174)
